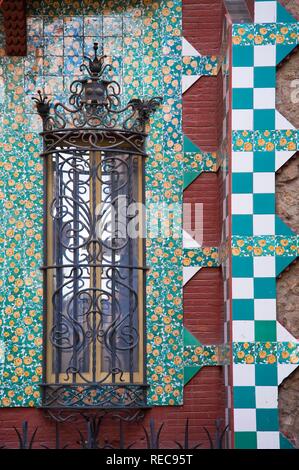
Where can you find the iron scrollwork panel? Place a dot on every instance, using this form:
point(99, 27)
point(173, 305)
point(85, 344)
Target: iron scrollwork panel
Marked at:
point(94, 272)
point(95, 280)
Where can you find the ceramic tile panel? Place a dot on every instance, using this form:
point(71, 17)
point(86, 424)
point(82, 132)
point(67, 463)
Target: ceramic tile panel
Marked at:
point(143, 42)
point(262, 245)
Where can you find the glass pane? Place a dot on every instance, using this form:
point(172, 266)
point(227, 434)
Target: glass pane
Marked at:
point(95, 283)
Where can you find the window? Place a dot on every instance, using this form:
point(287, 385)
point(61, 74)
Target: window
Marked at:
point(94, 257)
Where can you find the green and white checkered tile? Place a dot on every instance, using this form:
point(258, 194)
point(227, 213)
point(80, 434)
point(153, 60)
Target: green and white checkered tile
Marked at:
point(262, 245)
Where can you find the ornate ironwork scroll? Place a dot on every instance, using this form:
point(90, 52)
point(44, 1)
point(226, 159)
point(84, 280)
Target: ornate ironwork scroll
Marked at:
point(94, 270)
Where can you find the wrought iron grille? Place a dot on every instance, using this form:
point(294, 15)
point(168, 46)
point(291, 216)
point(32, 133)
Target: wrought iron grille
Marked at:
point(94, 270)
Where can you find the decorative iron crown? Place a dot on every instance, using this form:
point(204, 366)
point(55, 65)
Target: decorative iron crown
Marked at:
point(94, 102)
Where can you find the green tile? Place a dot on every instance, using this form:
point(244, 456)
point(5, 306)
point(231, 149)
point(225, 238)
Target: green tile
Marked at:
point(189, 146)
point(244, 397)
point(264, 119)
point(242, 266)
point(265, 288)
point(281, 228)
point(264, 77)
point(190, 339)
point(243, 309)
point(266, 374)
point(263, 161)
point(285, 443)
point(282, 262)
point(242, 183)
point(264, 203)
point(267, 420)
point(265, 330)
point(242, 98)
point(282, 50)
point(242, 225)
point(189, 177)
point(242, 56)
point(283, 16)
point(245, 440)
point(189, 373)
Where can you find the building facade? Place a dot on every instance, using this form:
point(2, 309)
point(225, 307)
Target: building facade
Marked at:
point(171, 104)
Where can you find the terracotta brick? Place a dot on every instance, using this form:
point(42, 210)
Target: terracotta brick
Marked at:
point(204, 402)
point(202, 24)
point(250, 5)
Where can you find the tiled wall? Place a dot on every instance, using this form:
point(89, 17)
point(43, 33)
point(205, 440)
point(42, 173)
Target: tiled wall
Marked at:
point(142, 40)
point(264, 353)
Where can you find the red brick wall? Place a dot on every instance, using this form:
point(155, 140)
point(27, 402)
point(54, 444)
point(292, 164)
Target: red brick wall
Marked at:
point(203, 305)
point(202, 123)
point(250, 5)
point(202, 23)
point(206, 190)
point(204, 396)
point(202, 112)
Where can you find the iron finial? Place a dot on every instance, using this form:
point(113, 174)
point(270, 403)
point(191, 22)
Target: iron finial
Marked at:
point(42, 103)
point(95, 66)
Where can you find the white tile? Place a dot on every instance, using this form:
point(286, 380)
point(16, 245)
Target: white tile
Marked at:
point(263, 224)
point(244, 374)
point(264, 182)
point(281, 122)
point(264, 266)
point(265, 12)
point(191, 241)
point(264, 98)
point(266, 397)
point(188, 273)
point(284, 370)
point(242, 77)
point(283, 334)
point(188, 49)
point(242, 287)
point(268, 440)
point(243, 330)
point(264, 309)
point(242, 203)
point(242, 119)
point(242, 162)
point(281, 157)
point(188, 81)
point(244, 419)
point(265, 55)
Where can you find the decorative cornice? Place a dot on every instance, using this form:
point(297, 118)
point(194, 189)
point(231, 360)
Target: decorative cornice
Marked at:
point(14, 16)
